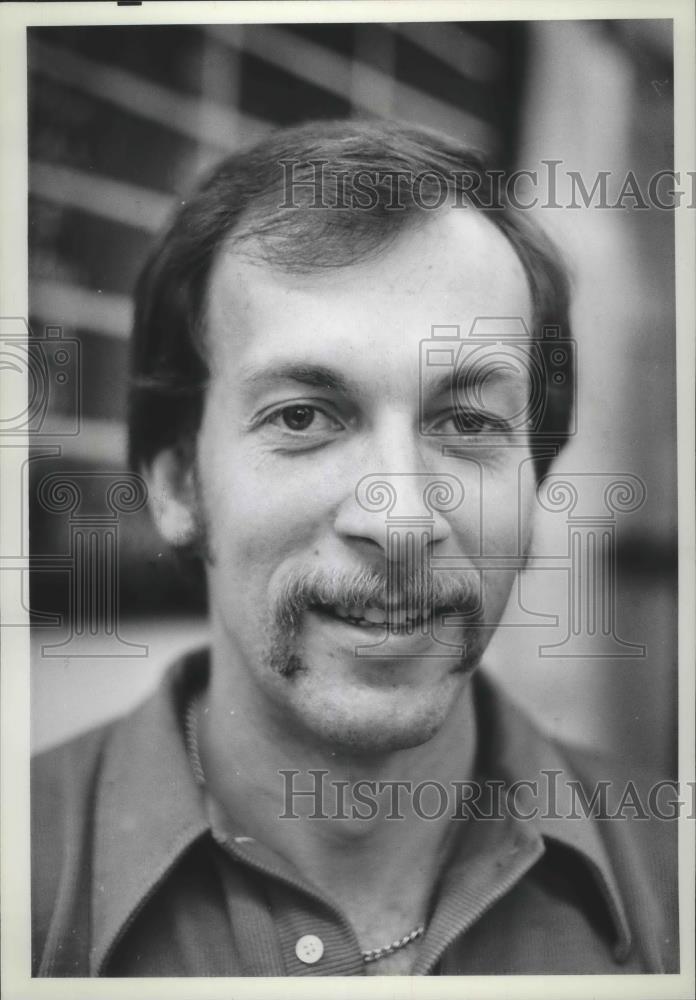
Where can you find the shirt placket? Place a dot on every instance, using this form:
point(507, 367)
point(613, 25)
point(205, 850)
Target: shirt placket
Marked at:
point(285, 928)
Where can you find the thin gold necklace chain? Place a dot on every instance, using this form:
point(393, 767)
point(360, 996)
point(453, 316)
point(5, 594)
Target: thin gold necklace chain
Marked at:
point(194, 756)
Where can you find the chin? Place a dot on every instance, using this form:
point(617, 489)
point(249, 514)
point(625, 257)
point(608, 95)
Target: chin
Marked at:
point(378, 725)
point(381, 741)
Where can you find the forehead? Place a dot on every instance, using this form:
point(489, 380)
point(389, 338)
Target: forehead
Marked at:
point(450, 269)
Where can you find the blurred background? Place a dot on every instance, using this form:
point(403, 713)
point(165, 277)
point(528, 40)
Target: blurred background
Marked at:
point(123, 119)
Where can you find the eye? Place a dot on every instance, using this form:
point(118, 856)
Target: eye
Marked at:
point(303, 422)
point(298, 418)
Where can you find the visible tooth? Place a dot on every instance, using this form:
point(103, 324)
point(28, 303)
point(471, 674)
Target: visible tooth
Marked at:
point(341, 610)
point(374, 615)
point(355, 612)
point(398, 617)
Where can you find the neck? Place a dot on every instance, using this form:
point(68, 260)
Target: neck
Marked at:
point(359, 841)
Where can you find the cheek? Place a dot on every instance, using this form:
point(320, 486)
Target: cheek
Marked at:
point(494, 518)
point(255, 517)
point(258, 524)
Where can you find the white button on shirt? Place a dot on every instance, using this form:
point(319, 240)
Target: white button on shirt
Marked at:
point(309, 949)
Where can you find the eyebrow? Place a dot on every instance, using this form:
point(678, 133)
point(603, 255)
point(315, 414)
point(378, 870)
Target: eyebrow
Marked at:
point(465, 379)
point(317, 376)
point(322, 377)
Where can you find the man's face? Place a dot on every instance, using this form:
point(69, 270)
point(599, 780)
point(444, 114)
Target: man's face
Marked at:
point(317, 384)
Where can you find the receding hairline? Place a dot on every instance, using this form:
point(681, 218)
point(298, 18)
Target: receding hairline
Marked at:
point(248, 251)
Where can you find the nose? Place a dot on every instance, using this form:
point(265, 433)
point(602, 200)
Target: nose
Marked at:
point(397, 497)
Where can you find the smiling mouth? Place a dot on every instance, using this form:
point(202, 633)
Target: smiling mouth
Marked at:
point(376, 617)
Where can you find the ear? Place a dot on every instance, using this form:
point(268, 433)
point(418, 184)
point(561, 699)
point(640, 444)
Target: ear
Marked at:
point(173, 500)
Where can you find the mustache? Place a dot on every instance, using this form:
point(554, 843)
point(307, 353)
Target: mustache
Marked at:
point(418, 592)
